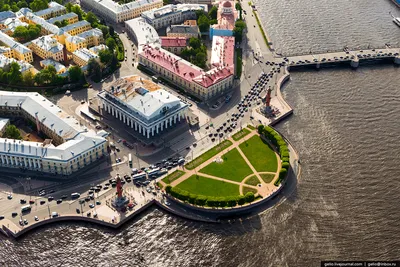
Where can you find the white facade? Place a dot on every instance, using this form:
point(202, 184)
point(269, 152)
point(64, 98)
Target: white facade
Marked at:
point(149, 113)
point(72, 147)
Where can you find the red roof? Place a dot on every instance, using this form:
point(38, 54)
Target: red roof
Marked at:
point(173, 41)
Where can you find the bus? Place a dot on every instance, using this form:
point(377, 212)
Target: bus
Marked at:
point(139, 176)
point(26, 208)
point(130, 160)
point(154, 173)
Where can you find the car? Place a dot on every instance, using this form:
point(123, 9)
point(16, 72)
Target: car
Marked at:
point(21, 222)
point(59, 201)
point(25, 221)
point(105, 188)
point(98, 203)
point(64, 197)
point(50, 198)
point(87, 199)
point(54, 214)
point(42, 193)
point(36, 218)
point(22, 201)
point(119, 140)
point(91, 205)
point(119, 159)
point(42, 202)
point(14, 214)
point(78, 210)
point(88, 214)
point(166, 203)
point(117, 149)
point(81, 201)
point(31, 201)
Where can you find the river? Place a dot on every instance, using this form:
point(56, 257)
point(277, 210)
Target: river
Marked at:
point(345, 205)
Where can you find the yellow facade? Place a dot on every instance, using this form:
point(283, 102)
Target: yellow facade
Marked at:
point(73, 46)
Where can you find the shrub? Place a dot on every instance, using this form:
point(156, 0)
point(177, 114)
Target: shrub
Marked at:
point(285, 165)
point(285, 154)
point(211, 201)
point(192, 198)
point(231, 201)
point(201, 200)
point(241, 200)
point(285, 159)
point(222, 202)
point(283, 173)
point(168, 189)
point(260, 129)
point(249, 197)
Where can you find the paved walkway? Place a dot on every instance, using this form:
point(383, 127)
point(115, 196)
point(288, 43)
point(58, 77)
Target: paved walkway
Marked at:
point(264, 190)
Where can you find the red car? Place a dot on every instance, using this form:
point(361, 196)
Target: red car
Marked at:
point(31, 202)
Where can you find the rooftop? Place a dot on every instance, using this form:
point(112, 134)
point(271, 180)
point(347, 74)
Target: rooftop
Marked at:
point(97, 49)
point(6, 15)
point(78, 138)
point(143, 98)
point(227, 16)
point(91, 32)
point(5, 61)
point(75, 25)
point(42, 22)
point(62, 17)
point(53, 7)
point(173, 41)
point(3, 123)
point(48, 43)
point(75, 39)
point(50, 62)
point(85, 54)
point(117, 8)
point(183, 29)
point(144, 32)
point(12, 23)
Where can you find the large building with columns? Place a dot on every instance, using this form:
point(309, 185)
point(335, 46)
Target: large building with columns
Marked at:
point(70, 147)
point(143, 105)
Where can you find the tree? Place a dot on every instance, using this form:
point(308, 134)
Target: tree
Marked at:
point(111, 30)
point(69, 6)
point(241, 200)
point(92, 19)
point(37, 5)
point(110, 42)
point(12, 132)
point(14, 76)
point(203, 23)
point(94, 69)
point(28, 79)
point(213, 12)
point(194, 43)
point(104, 30)
point(77, 10)
point(201, 59)
point(249, 197)
point(260, 129)
point(47, 75)
point(75, 74)
point(20, 33)
point(105, 56)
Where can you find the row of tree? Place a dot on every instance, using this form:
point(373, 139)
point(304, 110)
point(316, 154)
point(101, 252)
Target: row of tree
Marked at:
point(240, 25)
point(277, 140)
point(11, 74)
point(210, 201)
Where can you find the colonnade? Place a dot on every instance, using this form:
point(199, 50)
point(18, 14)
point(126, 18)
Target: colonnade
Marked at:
point(147, 131)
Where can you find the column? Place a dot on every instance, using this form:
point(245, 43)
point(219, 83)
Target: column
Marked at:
point(120, 116)
point(30, 162)
point(166, 123)
point(136, 126)
point(148, 133)
point(131, 123)
point(175, 118)
point(123, 118)
point(162, 125)
point(109, 108)
point(112, 111)
point(25, 165)
point(2, 159)
point(152, 131)
point(140, 129)
point(157, 128)
point(170, 121)
point(144, 131)
point(179, 116)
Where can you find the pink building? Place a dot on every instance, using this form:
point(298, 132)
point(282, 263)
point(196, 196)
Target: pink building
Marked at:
point(227, 16)
point(173, 44)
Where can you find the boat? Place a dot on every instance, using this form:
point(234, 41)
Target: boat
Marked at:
point(396, 21)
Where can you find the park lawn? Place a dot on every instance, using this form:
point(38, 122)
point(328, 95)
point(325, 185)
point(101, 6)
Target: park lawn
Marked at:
point(173, 176)
point(232, 168)
point(267, 177)
point(251, 127)
point(208, 154)
point(200, 185)
point(253, 180)
point(249, 189)
point(239, 135)
point(260, 154)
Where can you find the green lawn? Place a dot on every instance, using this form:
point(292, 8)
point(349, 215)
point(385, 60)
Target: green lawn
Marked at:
point(248, 189)
point(253, 180)
point(208, 187)
point(207, 155)
point(239, 135)
point(173, 176)
point(251, 127)
point(232, 168)
point(267, 177)
point(260, 154)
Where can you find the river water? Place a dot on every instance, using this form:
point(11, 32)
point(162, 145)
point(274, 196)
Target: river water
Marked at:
point(345, 206)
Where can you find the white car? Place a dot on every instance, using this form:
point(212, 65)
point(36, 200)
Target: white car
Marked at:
point(91, 206)
point(36, 218)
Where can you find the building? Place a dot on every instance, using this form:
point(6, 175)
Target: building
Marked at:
point(172, 14)
point(142, 33)
point(60, 68)
point(47, 47)
point(73, 43)
point(93, 37)
point(82, 56)
point(200, 2)
point(97, 49)
point(54, 10)
point(76, 28)
point(69, 17)
point(226, 17)
point(174, 44)
point(193, 79)
point(16, 50)
point(186, 31)
point(11, 23)
point(24, 66)
point(116, 13)
point(3, 125)
point(47, 27)
point(142, 105)
point(71, 146)
point(6, 15)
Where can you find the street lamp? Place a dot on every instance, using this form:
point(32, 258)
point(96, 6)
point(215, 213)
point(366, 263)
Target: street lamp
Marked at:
point(30, 186)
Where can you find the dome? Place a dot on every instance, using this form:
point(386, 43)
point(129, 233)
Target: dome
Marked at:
point(227, 4)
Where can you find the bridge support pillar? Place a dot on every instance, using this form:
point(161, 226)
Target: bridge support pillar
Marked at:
point(355, 63)
point(318, 65)
point(397, 60)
